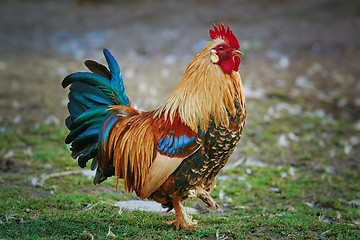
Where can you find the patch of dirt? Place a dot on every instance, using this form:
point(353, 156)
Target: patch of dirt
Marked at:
point(101, 188)
point(13, 165)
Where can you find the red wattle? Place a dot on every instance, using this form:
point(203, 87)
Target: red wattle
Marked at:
point(227, 65)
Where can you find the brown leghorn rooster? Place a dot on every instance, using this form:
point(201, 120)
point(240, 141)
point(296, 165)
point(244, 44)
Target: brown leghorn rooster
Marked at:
point(173, 152)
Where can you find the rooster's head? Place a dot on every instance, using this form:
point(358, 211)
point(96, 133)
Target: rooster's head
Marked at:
point(226, 51)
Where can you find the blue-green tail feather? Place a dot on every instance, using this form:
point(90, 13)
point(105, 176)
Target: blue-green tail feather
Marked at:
point(90, 96)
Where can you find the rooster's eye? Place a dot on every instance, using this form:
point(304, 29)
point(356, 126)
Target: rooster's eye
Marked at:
point(221, 48)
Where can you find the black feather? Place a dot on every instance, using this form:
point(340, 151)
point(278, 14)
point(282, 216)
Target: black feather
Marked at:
point(98, 68)
point(83, 159)
point(98, 176)
point(94, 164)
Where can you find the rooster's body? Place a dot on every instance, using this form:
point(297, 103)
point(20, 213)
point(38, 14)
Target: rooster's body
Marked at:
point(173, 152)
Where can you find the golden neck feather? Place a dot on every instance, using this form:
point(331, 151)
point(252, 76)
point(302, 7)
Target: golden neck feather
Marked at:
point(205, 93)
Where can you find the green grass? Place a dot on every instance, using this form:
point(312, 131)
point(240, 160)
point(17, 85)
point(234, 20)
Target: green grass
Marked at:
point(66, 214)
point(291, 195)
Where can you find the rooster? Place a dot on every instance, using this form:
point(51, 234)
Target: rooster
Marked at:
point(173, 152)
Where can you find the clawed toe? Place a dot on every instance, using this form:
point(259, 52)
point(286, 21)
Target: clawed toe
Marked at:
point(184, 224)
point(182, 219)
point(206, 198)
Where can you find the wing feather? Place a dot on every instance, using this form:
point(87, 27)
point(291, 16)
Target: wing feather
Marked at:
point(161, 168)
point(146, 150)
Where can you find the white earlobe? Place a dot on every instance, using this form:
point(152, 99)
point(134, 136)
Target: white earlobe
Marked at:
point(213, 57)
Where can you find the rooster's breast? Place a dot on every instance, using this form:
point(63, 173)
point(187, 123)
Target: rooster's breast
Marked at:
point(202, 167)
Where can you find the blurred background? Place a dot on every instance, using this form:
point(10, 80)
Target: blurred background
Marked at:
point(310, 46)
point(303, 54)
point(301, 73)
point(301, 59)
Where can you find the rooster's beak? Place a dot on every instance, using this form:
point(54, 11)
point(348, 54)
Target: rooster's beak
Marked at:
point(238, 52)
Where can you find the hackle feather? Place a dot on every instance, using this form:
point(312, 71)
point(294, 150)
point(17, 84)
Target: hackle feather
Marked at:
point(204, 93)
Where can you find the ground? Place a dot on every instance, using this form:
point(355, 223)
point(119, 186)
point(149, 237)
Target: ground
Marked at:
point(295, 172)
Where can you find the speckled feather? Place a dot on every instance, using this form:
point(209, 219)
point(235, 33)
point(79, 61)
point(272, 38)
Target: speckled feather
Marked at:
point(202, 167)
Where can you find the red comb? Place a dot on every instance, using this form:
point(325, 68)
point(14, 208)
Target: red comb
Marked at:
point(225, 34)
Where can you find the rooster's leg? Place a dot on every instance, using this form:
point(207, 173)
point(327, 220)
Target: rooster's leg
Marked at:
point(204, 196)
point(182, 219)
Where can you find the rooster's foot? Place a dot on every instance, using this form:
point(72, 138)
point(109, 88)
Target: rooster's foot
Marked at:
point(184, 224)
point(204, 196)
point(182, 219)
